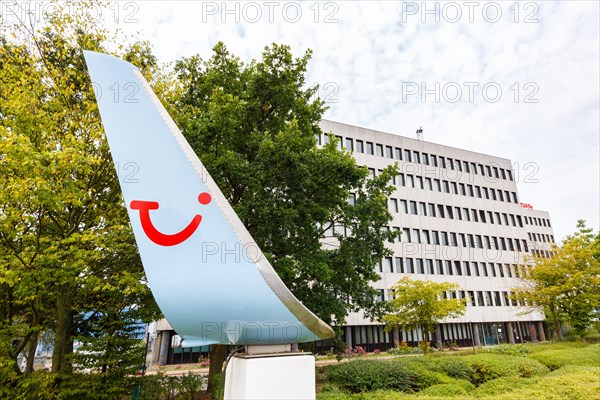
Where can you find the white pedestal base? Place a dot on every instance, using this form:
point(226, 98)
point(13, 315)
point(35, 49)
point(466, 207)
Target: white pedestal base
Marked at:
point(280, 376)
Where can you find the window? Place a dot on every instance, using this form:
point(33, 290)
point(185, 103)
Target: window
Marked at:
point(398, 153)
point(349, 144)
point(439, 267)
point(453, 239)
point(413, 207)
point(500, 195)
point(419, 182)
point(425, 158)
point(426, 237)
point(442, 162)
point(422, 208)
point(359, 146)
point(506, 299)
point(372, 172)
point(492, 269)
point(486, 193)
point(410, 181)
point(449, 212)
point(488, 299)
point(448, 267)
point(318, 139)
point(416, 158)
point(404, 206)
point(458, 165)
point(379, 296)
point(454, 187)
point(466, 214)
point(483, 269)
point(389, 152)
point(480, 298)
point(478, 191)
point(475, 268)
point(445, 187)
point(462, 189)
point(457, 268)
point(428, 185)
point(416, 236)
point(440, 209)
point(420, 268)
point(497, 298)
point(478, 242)
point(503, 174)
point(458, 213)
point(471, 298)
point(431, 210)
point(409, 266)
point(436, 237)
point(445, 238)
point(474, 215)
point(379, 149)
point(388, 265)
point(393, 205)
point(405, 236)
point(399, 265)
point(493, 192)
point(514, 197)
point(482, 216)
point(436, 185)
point(434, 160)
point(466, 167)
point(470, 190)
point(340, 142)
point(489, 171)
point(463, 241)
point(407, 156)
point(467, 268)
point(500, 270)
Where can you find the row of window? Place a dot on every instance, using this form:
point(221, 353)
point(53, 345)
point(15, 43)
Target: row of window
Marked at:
point(490, 170)
point(442, 238)
point(450, 212)
point(540, 237)
point(444, 186)
point(479, 298)
point(537, 221)
point(409, 265)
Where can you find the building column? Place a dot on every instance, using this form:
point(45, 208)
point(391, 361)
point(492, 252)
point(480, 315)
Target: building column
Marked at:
point(541, 333)
point(163, 349)
point(510, 334)
point(476, 340)
point(396, 336)
point(438, 336)
point(349, 337)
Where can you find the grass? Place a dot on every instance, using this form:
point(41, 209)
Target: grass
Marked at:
point(557, 371)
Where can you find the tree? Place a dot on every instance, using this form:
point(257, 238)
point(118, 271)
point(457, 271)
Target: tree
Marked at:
point(68, 261)
point(566, 285)
point(253, 126)
point(422, 304)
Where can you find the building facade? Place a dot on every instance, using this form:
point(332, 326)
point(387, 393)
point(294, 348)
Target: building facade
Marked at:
point(461, 221)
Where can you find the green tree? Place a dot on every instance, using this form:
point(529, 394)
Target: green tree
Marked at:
point(253, 125)
point(422, 304)
point(68, 261)
point(566, 285)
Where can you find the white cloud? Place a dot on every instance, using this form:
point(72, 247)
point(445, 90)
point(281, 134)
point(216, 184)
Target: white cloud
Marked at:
point(374, 48)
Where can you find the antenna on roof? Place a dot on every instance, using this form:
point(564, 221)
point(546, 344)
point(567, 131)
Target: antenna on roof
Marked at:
point(420, 133)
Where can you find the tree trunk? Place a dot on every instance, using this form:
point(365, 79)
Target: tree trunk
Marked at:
point(63, 343)
point(218, 355)
point(31, 348)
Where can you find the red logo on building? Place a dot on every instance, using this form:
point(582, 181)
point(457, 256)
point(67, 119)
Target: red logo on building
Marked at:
point(163, 239)
point(526, 205)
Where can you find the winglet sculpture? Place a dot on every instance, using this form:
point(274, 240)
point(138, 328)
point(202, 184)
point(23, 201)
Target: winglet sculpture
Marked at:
point(208, 276)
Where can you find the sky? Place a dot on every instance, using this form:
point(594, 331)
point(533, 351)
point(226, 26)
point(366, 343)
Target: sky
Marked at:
point(518, 80)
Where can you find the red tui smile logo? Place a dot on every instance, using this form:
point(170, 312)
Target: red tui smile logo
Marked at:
point(163, 239)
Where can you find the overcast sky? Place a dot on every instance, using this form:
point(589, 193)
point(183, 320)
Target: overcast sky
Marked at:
point(515, 80)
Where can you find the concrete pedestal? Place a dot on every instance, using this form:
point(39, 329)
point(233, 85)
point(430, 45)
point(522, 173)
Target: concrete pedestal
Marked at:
point(277, 376)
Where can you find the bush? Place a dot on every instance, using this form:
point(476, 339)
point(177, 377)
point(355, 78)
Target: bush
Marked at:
point(406, 375)
point(486, 367)
point(509, 349)
point(449, 389)
point(592, 338)
point(503, 385)
point(554, 359)
point(455, 367)
point(396, 351)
